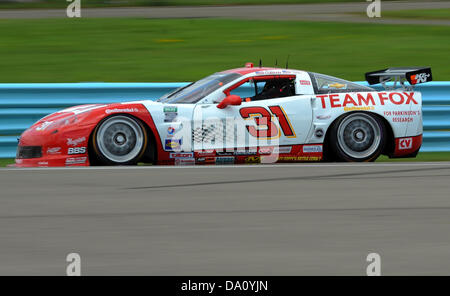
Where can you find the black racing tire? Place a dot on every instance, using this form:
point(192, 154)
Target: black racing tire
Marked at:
point(119, 140)
point(357, 137)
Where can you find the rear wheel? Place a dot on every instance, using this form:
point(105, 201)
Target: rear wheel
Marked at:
point(358, 137)
point(119, 140)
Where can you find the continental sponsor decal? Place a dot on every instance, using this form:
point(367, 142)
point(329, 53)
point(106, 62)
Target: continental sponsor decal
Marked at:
point(121, 110)
point(360, 100)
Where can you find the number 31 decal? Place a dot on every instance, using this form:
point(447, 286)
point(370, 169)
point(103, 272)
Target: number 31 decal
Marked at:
point(265, 126)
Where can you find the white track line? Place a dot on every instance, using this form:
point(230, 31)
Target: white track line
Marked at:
point(399, 164)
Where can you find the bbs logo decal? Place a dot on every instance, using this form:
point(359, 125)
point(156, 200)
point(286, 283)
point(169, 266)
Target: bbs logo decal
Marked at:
point(76, 150)
point(405, 143)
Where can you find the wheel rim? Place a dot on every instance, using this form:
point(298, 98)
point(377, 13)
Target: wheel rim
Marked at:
point(120, 139)
point(359, 136)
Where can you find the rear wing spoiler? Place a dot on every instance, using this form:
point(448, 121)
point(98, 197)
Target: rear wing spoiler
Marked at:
point(413, 75)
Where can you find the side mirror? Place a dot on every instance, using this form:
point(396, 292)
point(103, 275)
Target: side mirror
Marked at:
point(231, 100)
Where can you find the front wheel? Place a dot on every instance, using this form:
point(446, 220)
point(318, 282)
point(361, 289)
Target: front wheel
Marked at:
point(119, 140)
point(358, 137)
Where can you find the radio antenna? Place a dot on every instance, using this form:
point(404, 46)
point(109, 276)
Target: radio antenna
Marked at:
point(287, 61)
point(260, 63)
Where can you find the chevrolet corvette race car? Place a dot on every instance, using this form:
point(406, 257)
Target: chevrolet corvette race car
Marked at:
point(245, 115)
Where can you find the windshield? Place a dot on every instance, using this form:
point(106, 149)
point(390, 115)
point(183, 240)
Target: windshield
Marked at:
point(325, 84)
point(194, 92)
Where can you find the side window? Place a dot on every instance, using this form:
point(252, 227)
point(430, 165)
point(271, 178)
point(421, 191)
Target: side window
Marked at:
point(245, 90)
point(325, 84)
point(260, 88)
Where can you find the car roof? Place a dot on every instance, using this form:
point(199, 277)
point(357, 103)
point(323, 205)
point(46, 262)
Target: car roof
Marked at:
point(245, 70)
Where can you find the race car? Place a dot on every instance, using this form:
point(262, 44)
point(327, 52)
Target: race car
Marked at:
point(245, 115)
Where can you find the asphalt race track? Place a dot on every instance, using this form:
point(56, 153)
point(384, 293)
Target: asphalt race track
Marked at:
point(305, 219)
point(335, 12)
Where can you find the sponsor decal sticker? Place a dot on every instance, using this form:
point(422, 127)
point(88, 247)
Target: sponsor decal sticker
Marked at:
point(405, 143)
point(305, 82)
point(265, 150)
point(76, 150)
point(118, 110)
point(170, 109)
point(173, 144)
point(76, 160)
point(206, 160)
point(366, 100)
point(76, 142)
point(201, 153)
point(182, 155)
point(245, 152)
point(419, 78)
point(184, 161)
point(282, 149)
point(253, 159)
point(225, 153)
point(54, 150)
point(299, 158)
point(44, 125)
point(224, 160)
point(171, 131)
point(312, 148)
point(170, 117)
point(170, 113)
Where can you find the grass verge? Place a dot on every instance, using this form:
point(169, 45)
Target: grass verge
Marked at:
point(140, 50)
point(5, 161)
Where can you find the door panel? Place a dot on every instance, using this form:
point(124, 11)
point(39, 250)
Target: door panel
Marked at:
point(273, 122)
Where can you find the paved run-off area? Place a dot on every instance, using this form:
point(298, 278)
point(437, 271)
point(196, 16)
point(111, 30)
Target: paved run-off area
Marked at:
point(249, 220)
point(340, 12)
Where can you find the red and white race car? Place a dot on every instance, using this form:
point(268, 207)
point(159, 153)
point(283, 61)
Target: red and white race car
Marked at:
point(245, 115)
